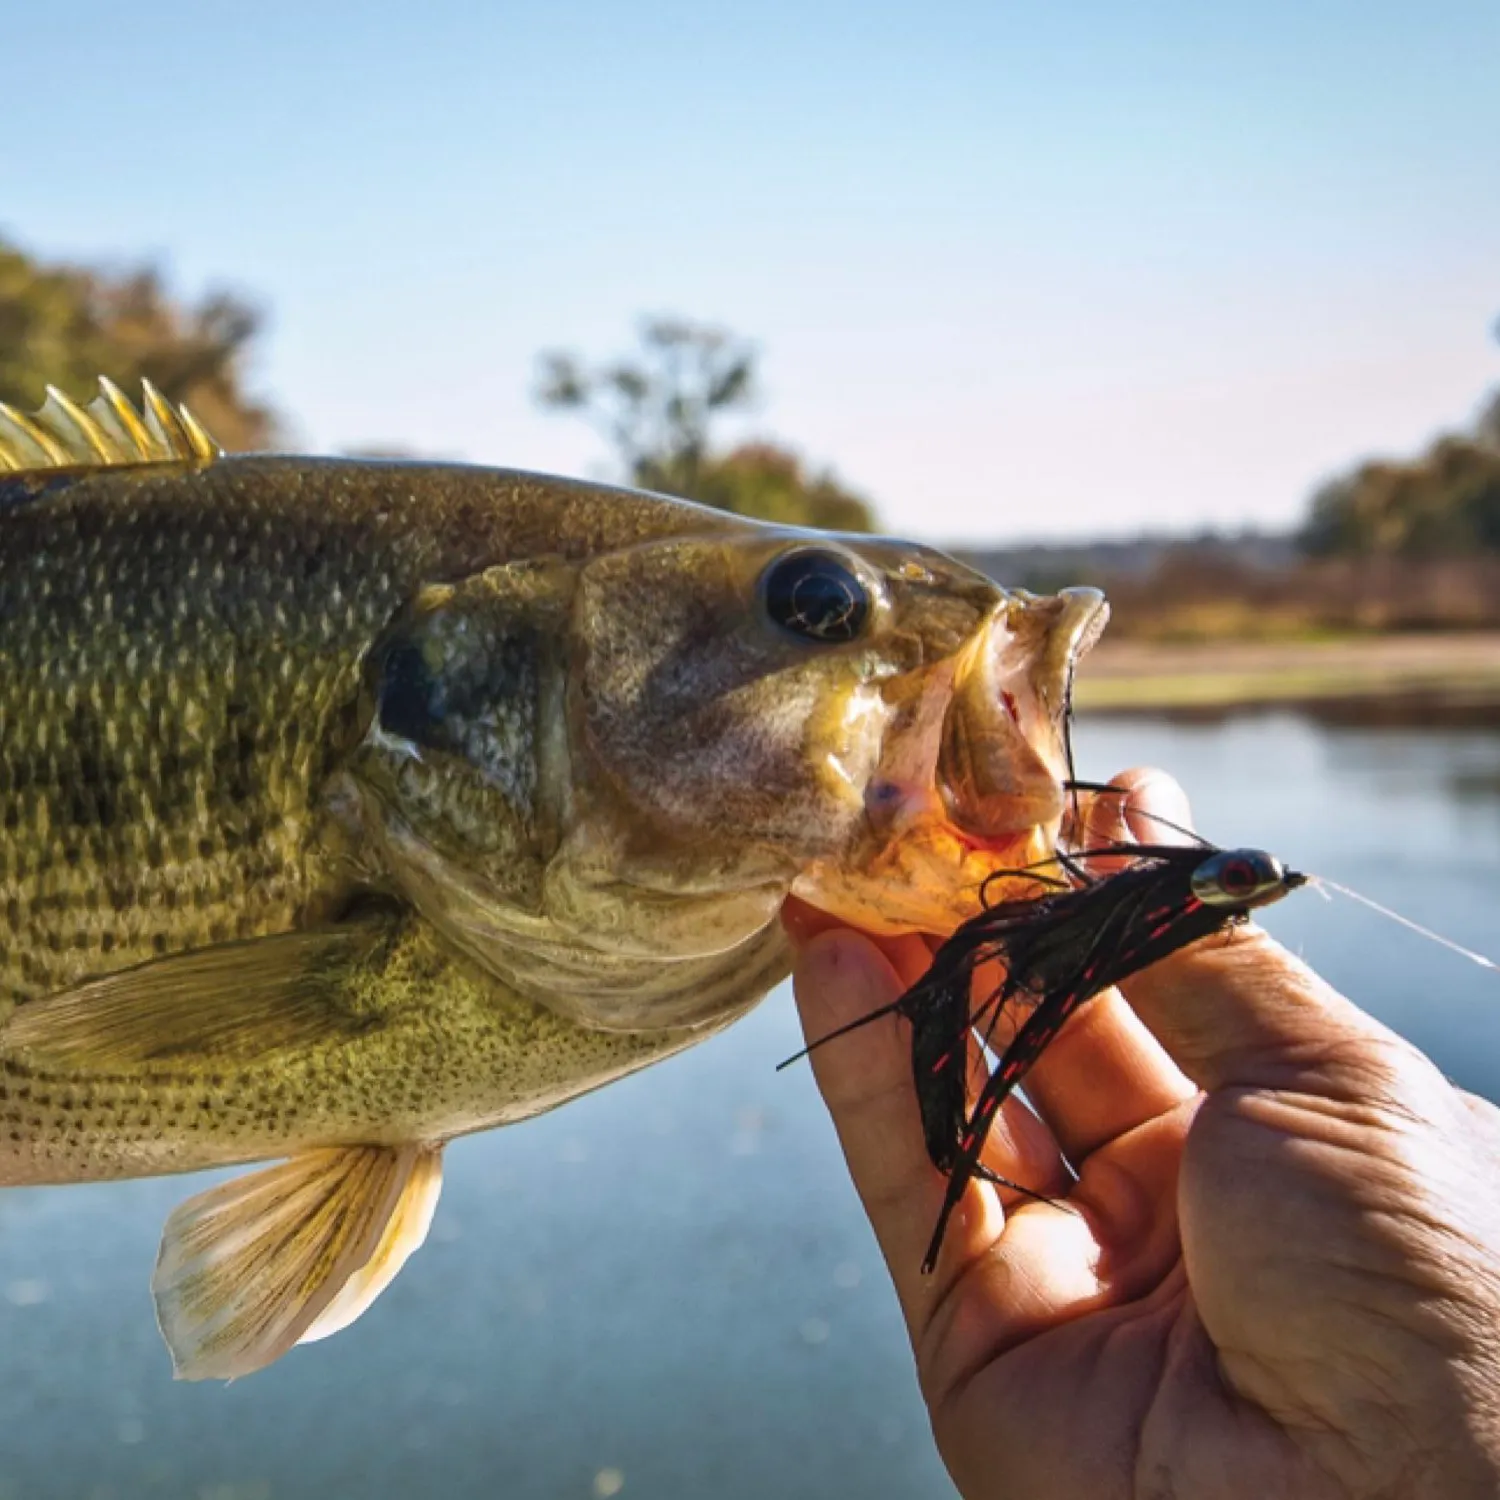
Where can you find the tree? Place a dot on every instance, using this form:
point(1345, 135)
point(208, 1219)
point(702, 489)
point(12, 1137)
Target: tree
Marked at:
point(769, 483)
point(657, 408)
point(1444, 504)
point(1487, 427)
point(67, 325)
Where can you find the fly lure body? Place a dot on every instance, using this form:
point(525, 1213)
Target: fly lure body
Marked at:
point(1081, 934)
point(1064, 946)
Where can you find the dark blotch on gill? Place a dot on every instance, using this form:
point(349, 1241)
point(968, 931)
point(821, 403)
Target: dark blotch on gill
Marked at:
point(444, 711)
point(407, 709)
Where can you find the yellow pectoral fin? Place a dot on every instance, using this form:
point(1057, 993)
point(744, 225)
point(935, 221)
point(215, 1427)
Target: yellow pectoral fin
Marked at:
point(239, 1000)
point(294, 1252)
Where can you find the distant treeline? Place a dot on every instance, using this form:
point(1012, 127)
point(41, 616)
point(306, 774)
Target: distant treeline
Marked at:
point(1444, 504)
point(1188, 599)
point(1259, 586)
point(1392, 545)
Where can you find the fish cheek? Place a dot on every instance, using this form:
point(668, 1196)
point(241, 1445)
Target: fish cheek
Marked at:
point(704, 734)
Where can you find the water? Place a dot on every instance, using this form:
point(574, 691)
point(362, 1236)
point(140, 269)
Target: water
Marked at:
point(668, 1289)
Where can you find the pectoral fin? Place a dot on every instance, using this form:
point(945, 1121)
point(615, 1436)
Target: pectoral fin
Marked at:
point(238, 1000)
point(292, 1253)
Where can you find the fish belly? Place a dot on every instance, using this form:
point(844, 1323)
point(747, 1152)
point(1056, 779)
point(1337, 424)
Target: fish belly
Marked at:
point(456, 1053)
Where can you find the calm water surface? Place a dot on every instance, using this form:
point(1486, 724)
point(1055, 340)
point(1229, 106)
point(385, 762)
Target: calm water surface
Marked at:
point(667, 1288)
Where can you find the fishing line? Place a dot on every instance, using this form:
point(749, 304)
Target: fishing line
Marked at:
point(1105, 788)
point(1395, 916)
point(1072, 783)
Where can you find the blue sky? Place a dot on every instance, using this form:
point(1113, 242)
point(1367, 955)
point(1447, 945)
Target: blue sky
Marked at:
point(1015, 270)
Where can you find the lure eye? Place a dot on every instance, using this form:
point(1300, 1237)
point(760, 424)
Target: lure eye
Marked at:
point(816, 596)
point(1239, 877)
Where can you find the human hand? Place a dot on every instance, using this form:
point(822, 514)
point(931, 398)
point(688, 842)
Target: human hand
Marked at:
point(1277, 1272)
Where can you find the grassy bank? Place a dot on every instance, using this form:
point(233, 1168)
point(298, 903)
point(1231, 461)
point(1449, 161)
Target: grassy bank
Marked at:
point(1135, 676)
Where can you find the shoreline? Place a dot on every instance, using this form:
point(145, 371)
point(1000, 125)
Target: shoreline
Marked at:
point(1416, 674)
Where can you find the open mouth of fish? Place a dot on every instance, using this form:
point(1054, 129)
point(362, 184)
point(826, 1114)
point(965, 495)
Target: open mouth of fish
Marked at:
point(972, 773)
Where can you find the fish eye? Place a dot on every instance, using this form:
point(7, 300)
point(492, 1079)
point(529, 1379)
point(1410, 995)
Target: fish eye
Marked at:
point(409, 709)
point(817, 596)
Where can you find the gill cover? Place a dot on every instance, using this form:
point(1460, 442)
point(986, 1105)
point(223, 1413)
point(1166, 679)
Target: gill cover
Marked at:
point(465, 690)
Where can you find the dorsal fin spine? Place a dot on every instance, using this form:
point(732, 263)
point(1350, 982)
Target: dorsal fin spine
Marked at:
point(204, 445)
point(109, 432)
point(65, 413)
point(160, 417)
point(115, 412)
point(26, 434)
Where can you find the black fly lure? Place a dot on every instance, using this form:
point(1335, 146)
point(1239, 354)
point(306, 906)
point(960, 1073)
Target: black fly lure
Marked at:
point(1056, 950)
point(1081, 933)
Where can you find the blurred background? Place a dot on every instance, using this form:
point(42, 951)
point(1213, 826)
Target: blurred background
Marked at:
point(1197, 304)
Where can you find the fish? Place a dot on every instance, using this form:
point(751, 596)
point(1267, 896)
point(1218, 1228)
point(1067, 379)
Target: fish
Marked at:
point(348, 807)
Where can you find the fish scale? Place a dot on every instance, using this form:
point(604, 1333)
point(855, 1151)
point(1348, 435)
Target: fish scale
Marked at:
point(166, 753)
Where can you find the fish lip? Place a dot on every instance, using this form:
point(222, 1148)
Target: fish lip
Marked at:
point(1004, 759)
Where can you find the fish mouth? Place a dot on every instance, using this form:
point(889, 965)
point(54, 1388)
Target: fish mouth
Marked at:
point(971, 779)
point(1004, 756)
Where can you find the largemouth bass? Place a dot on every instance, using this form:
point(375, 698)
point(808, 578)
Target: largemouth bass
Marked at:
point(348, 807)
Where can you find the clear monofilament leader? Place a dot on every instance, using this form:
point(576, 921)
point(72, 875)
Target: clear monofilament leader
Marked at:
point(1322, 882)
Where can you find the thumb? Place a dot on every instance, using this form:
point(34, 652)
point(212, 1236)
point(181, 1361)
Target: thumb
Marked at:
point(1236, 1009)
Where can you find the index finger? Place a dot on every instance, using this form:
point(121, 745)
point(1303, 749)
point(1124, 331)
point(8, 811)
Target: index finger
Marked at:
point(865, 1077)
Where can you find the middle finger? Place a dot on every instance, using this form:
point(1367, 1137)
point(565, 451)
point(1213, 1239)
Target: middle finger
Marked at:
point(1103, 1074)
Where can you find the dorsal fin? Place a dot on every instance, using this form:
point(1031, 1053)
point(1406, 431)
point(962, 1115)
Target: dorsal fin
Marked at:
point(108, 432)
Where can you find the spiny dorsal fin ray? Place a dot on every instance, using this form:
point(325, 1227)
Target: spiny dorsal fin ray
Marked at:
point(108, 432)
